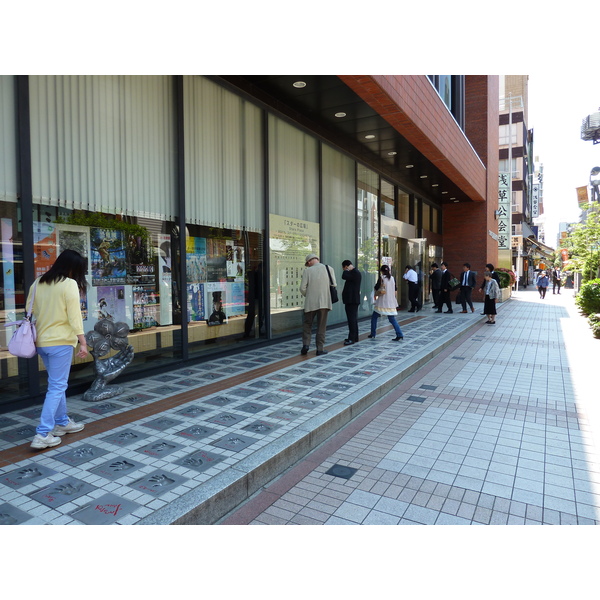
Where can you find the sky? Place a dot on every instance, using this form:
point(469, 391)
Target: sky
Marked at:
point(557, 106)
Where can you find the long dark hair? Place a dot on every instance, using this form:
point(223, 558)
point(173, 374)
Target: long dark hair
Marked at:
point(69, 265)
point(385, 270)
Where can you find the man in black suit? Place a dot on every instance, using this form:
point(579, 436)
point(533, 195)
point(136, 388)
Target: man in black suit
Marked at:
point(435, 278)
point(351, 299)
point(467, 283)
point(445, 287)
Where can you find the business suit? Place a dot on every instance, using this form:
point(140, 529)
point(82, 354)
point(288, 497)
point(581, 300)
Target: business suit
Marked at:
point(436, 287)
point(351, 300)
point(445, 291)
point(467, 283)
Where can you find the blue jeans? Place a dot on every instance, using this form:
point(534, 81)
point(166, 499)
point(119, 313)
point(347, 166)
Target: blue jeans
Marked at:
point(391, 319)
point(57, 360)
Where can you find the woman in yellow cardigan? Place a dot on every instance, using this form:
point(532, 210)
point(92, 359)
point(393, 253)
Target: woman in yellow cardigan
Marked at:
point(59, 326)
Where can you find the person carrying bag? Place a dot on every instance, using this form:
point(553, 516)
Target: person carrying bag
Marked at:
point(22, 342)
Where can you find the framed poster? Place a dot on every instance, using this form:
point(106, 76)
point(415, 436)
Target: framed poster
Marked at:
point(108, 257)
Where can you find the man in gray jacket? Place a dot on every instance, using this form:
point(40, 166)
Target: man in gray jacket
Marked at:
point(317, 302)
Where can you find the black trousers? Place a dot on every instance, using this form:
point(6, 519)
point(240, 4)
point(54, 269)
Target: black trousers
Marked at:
point(437, 299)
point(445, 299)
point(352, 316)
point(413, 296)
point(465, 292)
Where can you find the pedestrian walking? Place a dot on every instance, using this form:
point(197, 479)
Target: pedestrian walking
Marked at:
point(446, 289)
point(542, 284)
point(492, 293)
point(59, 325)
point(317, 301)
point(435, 280)
point(467, 283)
point(489, 268)
point(412, 279)
point(351, 299)
point(556, 280)
point(385, 302)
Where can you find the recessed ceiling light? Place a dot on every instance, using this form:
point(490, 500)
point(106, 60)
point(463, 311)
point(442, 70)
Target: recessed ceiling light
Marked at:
point(392, 153)
point(423, 176)
point(339, 115)
point(435, 185)
point(299, 84)
point(444, 192)
point(409, 166)
point(369, 137)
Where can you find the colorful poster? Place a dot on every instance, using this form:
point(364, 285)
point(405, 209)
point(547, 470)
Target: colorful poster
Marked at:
point(145, 306)
point(195, 252)
point(108, 257)
point(216, 260)
point(140, 264)
point(164, 270)
point(235, 260)
point(236, 304)
point(73, 237)
point(196, 301)
point(111, 303)
point(8, 279)
point(215, 302)
point(44, 246)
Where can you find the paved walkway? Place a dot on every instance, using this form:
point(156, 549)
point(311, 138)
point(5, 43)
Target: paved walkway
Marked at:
point(461, 422)
point(500, 428)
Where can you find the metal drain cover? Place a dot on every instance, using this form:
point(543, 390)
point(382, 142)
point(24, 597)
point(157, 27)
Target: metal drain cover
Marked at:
point(341, 471)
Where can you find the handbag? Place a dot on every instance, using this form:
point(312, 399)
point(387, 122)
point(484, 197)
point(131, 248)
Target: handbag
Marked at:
point(380, 287)
point(332, 288)
point(22, 342)
point(454, 284)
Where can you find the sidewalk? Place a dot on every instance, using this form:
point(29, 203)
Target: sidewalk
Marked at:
point(500, 428)
point(461, 422)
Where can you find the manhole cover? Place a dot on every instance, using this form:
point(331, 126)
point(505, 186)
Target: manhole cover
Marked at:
point(341, 471)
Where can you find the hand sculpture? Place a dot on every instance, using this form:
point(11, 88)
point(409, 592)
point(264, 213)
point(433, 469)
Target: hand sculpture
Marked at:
point(107, 335)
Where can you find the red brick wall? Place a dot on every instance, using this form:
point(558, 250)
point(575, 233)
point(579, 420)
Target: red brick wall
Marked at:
point(413, 107)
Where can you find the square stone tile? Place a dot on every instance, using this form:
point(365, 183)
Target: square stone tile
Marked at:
point(162, 423)
point(261, 427)
point(125, 437)
point(11, 515)
point(80, 455)
point(193, 411)
point(116, 467)
point(226, 419)
point(31, 473)
point(307, 403)
point(158, 482)
point(199, 461)
point(18, 433)
point(234, 442)
point(285, 414)
point(197, 432)
point(61, 492)
point(105, 510)
point(159, 448)
point(253, 407)
point(136, 398)
point(221, 400)
point(273, 397)
point(7, 422)
point(105, 407)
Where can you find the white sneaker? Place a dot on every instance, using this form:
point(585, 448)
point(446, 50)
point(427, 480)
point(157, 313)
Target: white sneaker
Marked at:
point(40, 442)
point(70, 427)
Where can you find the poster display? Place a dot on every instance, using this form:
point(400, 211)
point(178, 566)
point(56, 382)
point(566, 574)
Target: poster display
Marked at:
point(290, 240)
point(234, 260)
point(108, 257)
point(44, 247)
point(164, 276)
point(196, 301)
point(195, 259)
point(236, 305)
point(145, 306)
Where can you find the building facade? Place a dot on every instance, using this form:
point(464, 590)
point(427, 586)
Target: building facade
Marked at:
point(196, 199)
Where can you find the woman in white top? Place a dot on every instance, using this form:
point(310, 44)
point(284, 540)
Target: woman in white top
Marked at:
point(385, 302)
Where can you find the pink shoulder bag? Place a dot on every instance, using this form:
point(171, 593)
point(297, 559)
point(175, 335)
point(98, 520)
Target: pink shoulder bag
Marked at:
point(22, 342)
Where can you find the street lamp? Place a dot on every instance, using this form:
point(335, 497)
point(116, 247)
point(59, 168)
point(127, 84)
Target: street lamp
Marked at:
point(595, 182)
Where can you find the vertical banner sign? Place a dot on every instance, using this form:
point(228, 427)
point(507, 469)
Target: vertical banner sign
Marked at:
point(535, 200)
point(582, 195)
point(503, 212)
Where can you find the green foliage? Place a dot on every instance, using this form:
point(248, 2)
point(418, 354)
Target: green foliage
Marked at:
point(584, 244)
point(594, 321)
point(507, 277)
point(588, 298)
point(103, 222)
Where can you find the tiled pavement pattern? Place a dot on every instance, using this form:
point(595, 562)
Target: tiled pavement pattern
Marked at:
point(175, 440)
point(491, 430)
point(495, 430)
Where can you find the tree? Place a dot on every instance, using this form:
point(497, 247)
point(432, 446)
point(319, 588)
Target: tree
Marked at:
point(584, 244)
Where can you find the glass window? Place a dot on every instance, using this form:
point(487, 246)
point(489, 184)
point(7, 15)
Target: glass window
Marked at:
point(367, 225)
point(403, 206)
point(435, 226)
point(388, 205)
point(426, 216)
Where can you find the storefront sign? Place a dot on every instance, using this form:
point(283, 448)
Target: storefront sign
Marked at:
point(535, 200)
point(504, 228)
